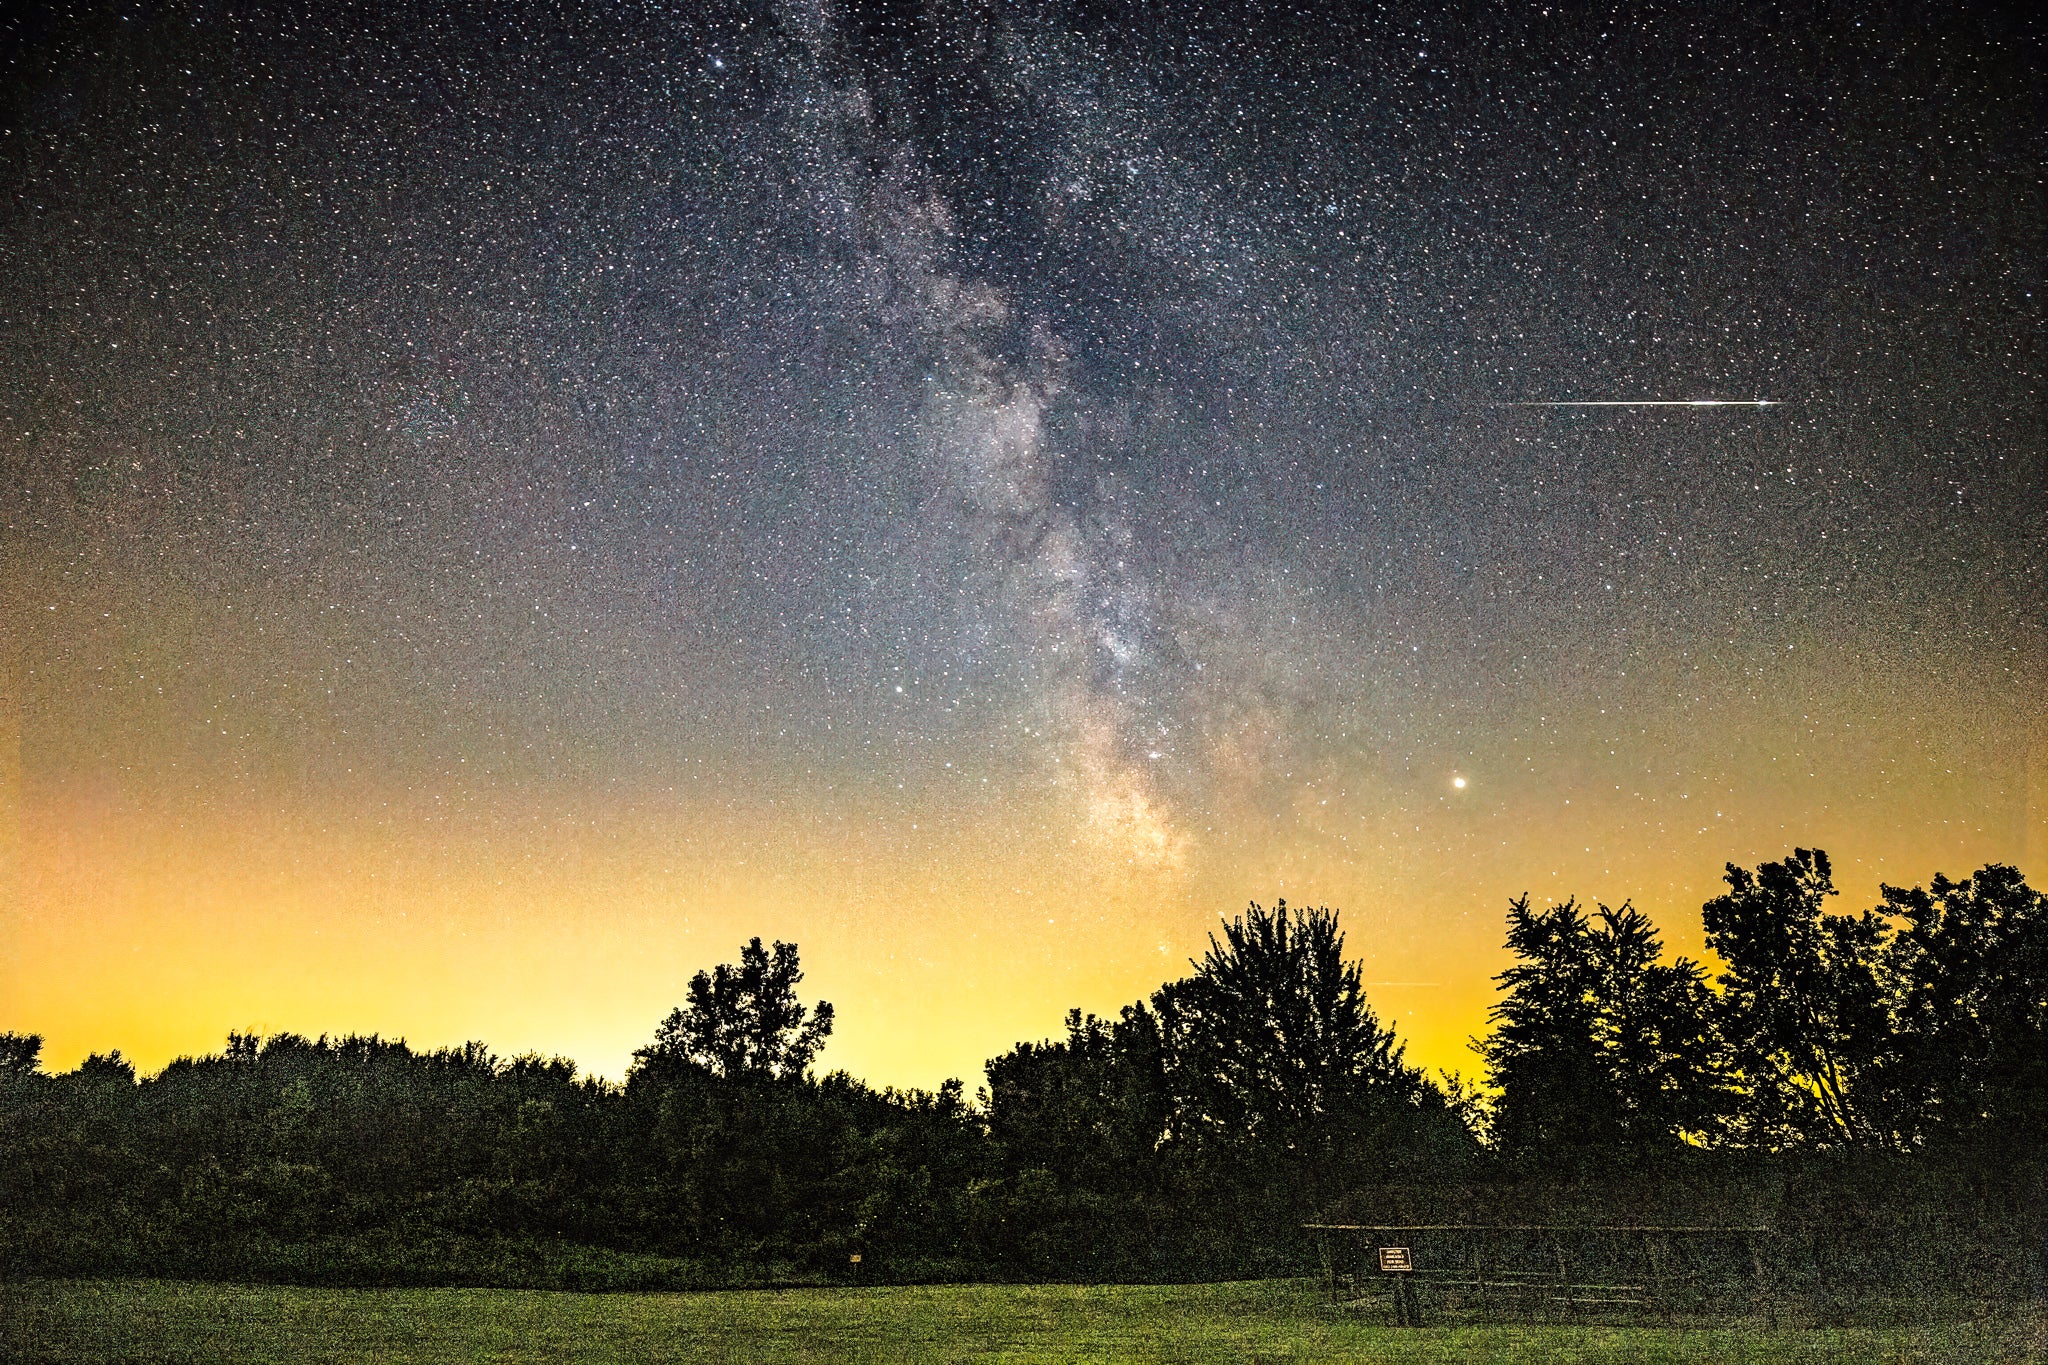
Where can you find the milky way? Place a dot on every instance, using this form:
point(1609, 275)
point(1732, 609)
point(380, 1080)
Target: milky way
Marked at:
point(502, 500)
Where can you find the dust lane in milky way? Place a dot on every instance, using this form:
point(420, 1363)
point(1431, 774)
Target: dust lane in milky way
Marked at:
point(502, 504)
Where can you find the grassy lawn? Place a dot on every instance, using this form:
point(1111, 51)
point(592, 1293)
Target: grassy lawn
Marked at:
point(1271, 1321)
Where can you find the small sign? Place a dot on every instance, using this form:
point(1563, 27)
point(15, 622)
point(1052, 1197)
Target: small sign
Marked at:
point(854, 1259)
point(1395, 1259)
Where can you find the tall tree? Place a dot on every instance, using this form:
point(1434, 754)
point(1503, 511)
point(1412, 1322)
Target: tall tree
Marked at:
point(1541, 1055)
point(1655, 1031)
point(1599, 1048)
point(1274, 1057)
point(1803, 1008)
point(744, 1022)
point(1079, 1126)
point(1092, 1106)
point(21, 1054)
point(1968, 972)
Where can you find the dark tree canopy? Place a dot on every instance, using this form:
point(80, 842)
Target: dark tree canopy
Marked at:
point(1093, 1104)
point(1079, 1128)
point(1219, 1115)
point(1968, 975)
point(20, 1053)
point(1803, 1008)
point(1272, 1039)
point(1845, 1063)
point(1598, 1047)
point(744, 1022)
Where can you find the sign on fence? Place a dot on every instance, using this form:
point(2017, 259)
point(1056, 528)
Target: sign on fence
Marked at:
point(1395, 1259)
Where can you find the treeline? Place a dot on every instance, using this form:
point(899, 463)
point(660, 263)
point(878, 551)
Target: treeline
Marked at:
point(1887, 1065)
point(1918, 1027)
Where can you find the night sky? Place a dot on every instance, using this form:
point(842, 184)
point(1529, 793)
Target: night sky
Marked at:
point(499, 504)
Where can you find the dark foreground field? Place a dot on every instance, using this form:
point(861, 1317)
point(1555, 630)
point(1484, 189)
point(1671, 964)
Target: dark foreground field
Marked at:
point(1272, 1321)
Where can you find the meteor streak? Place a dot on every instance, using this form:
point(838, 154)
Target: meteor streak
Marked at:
point(1652, 403)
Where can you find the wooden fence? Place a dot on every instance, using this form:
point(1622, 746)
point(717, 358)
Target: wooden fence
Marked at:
point(1546, 1271)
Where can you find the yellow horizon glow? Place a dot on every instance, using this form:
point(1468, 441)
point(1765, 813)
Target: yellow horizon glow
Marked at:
point(157, 934)
point(151, 904)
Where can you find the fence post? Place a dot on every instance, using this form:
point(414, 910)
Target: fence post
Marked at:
point(1479, 1281)
point(1766, 1301)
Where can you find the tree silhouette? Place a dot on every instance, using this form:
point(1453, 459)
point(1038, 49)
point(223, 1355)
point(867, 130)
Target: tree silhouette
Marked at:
point(1188, 1136)
point(1078, 1126)
point(1272, 1035)
point(744, 1022)
point(1966, 974)
point(1276, 1063)
point(1803, 1007)
point(1598, 1047)
point(21, 1054)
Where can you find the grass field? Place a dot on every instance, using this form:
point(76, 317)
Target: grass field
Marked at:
point(109, 1321)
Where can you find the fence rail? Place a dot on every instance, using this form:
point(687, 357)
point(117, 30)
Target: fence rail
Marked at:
point(1524, 1267)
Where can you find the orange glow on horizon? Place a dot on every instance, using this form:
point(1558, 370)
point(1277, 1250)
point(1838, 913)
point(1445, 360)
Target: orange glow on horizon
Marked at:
point(940, 946)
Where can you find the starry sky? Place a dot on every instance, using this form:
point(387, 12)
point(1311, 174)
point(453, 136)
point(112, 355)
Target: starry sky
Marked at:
point(501, 502)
